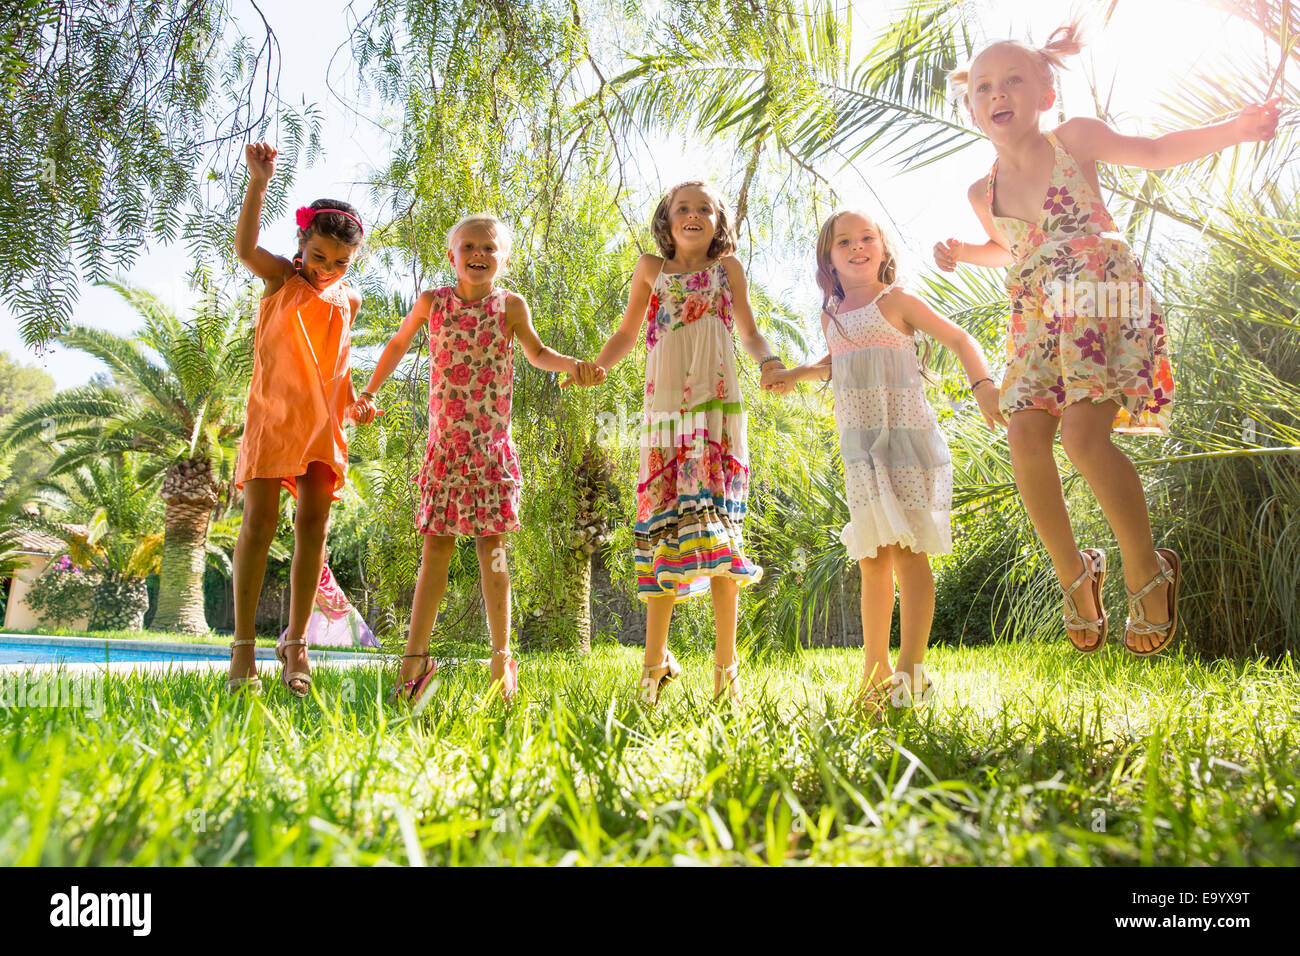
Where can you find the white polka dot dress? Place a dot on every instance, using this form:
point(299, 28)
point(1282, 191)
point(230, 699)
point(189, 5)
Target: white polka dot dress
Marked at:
point(897, 471)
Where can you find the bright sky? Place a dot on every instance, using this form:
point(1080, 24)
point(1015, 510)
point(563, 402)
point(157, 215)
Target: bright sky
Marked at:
point(1149, 45)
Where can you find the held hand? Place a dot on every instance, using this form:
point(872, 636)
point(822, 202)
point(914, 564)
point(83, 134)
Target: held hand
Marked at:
point(945, 254)
point(585, 375)
point(1258, 122)
point(261, 161)
point(776, 378)
point(363, 411)
point(987, 397)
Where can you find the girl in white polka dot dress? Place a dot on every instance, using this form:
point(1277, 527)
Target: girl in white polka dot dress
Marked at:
point(896, 464)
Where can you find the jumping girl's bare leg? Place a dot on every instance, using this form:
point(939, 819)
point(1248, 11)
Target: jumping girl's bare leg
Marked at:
point(916, 610)
point(310, 524)
point(495, 577)
point(877, 610)
point(256, 532)
point(430, 585)
point(726, 600)
point(1086, 437)
point(658, 615)
point(1029, 435)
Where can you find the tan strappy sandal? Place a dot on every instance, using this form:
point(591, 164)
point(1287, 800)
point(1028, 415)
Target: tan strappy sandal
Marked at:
point(235, 684)
point(287, 677)
point(654, 678)
point(732, 690)
point(1094, 571)
point(1171, 571)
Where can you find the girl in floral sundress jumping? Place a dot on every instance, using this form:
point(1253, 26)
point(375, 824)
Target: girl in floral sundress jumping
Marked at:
point(470, 481)
point(1087, 350)
point(693, 481)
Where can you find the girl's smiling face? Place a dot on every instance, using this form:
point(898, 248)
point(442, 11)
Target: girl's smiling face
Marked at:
point(1006, 92)
point(692, 218)
point(325, 260)
point(477, 253)
point(857, 251)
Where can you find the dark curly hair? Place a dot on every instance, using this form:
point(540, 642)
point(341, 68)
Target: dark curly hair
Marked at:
point(333, 226)
point(724, 240)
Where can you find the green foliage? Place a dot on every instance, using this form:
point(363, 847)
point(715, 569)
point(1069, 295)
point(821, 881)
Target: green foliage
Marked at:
point(62, 594)
point(119, 119)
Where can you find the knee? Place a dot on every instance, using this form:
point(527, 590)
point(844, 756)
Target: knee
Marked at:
point(439, 546)
point(258, 530)
point(1083, 441)
point(311, 523)
point(1025, 437)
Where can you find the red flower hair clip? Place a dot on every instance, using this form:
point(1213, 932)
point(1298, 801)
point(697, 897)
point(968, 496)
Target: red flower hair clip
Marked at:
point(306, 214)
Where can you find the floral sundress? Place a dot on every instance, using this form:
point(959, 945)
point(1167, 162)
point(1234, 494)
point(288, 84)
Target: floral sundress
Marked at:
point(470, 481)
point(693, 482)
point(1083, 323)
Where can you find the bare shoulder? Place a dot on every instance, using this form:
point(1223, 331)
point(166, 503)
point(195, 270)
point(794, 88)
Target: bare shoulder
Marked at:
point(355, 298)
point(978, 193)
point(1080, 134)
point(735, 271)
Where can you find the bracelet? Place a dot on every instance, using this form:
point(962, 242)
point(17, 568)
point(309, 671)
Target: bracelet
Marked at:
point(770, 358)
point(369, 395)
point(978, 382)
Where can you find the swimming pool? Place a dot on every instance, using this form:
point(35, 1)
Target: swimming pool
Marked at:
point(88, 650)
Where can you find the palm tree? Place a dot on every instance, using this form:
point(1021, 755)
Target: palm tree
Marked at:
point(176, 401)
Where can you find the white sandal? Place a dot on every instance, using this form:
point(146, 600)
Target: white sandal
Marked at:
point(1137, 623)
point(1094, 572)
point(733, 685)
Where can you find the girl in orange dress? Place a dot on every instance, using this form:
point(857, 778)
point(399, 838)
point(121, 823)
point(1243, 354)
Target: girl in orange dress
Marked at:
point(297, 402)
point(1086, 345)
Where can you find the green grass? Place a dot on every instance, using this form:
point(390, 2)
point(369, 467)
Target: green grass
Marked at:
point(211, 637)
point(1028, 750)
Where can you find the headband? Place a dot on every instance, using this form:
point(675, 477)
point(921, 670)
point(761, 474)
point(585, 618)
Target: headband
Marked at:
point(306, 214)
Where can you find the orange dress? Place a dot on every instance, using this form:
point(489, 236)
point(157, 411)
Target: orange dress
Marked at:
point(302, 385)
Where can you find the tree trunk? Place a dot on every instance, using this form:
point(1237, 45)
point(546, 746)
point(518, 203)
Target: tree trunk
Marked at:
point(564, 621)
point(191, 494)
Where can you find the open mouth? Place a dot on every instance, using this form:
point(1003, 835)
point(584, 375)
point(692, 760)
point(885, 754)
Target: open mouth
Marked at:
point(692, 227)
point(859, 260)
point(478, 266)
point(1003, 117)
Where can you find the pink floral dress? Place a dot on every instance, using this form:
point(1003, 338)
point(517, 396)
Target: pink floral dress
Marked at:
point(1083, 324)
point(693, 482)
point(470, 480)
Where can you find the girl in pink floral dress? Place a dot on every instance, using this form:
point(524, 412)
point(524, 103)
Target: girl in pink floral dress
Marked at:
point(1086, 348)
point(470, 480)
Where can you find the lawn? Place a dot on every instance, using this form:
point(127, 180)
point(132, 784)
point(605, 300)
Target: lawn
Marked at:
point(1030, 754)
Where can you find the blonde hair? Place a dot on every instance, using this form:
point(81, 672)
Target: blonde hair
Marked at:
point(724, 239)
point(504, 236)
point(887, 272)
point(1047, 59)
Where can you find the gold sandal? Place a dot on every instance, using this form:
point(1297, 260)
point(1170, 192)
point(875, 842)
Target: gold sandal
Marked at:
point(235, 684)
point(1171, 571)
point(654, 678)
point(1094, 570)
point(287, 677)
point(732, 689)
point(902, 697)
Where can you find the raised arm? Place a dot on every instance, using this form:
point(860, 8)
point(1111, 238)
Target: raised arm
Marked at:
point(638, 299)
point(1091, 140)
point(263, 264)
point(364, 408)
point(951, 336)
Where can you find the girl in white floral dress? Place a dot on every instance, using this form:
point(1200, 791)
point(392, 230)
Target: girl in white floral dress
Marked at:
point(693, 481)
point(897, 471)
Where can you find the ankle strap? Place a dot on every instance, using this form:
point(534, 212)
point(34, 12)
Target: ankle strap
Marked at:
point(502, 653)
point(425, 654)
point(242, 643)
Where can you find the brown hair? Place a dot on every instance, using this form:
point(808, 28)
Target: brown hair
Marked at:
point(724, 240)
point(331, 225)
point(1047, 59)
point(887, 273)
